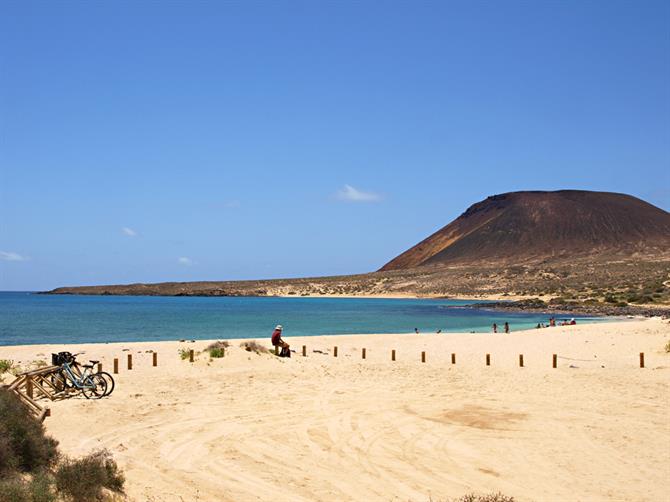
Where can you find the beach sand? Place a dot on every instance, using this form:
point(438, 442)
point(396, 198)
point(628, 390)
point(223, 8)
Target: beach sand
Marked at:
point(256, 427)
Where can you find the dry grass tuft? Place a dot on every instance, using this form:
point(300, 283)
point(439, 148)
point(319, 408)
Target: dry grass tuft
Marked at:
point(253, 346)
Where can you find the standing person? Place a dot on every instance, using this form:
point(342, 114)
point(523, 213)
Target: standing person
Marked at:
point(495, 328)
point(278, 342)
point(416, 330)
point(506, 327)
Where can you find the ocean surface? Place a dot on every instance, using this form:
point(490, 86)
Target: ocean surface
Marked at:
point(27, 318)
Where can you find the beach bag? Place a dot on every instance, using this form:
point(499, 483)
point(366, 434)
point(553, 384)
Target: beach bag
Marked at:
point(285, 352)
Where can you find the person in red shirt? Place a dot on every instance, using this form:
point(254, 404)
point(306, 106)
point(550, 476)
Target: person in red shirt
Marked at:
point(278, 342)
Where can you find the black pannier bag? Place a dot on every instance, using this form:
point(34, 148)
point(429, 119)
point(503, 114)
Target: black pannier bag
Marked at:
point(61, 358)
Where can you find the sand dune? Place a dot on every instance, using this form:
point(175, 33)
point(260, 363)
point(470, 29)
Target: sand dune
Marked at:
point(256, 427)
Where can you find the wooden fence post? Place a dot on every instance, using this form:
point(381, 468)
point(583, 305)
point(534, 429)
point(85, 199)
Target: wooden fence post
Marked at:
point(276, 350)
point(304, 351)
point(641, 359)
point(453, 358)
point(29, 387)
point(521, 360)
point(335, 351)
point(488, 359)
point(155, 357)
point(130, 361)
point(423, 357)
point(190, 355)
point(393, 355)
point(99, 367)
point(363, 353)
point(554, 361)
point(116, 366)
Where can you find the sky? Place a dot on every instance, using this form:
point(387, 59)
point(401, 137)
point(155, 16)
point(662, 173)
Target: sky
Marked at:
point(174, 141)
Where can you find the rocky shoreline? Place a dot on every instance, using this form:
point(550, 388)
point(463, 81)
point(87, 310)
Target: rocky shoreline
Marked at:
point(537, 305)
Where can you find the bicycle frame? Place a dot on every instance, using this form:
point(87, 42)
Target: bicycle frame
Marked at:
point(78, 382)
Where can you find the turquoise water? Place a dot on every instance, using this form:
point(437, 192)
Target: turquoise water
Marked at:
point(27, 318)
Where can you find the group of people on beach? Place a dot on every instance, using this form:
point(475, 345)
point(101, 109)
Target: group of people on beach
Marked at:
point(552, 323)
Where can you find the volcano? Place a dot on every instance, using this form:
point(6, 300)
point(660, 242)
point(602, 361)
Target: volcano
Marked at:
point(535, 225)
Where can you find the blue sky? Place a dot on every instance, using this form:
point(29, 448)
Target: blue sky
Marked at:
point(156, 141)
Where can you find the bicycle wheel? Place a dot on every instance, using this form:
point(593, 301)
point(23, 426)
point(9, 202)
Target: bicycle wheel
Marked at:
point(110, 381)
point(94, 387)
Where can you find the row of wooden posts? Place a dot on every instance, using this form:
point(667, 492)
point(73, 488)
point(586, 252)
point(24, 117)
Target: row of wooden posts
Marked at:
point(191, 357)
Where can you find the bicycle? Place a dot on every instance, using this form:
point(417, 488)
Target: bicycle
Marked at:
point(58, 359)
point(70, 376)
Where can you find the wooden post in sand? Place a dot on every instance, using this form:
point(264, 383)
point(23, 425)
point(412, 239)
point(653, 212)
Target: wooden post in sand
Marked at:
point(363, 353)
point(554, 361)
point(304, 351)
point(99, 367)
point(423, 357)
point(29, 387)
point(335, 351)
point(116, 366)
point(190, 356)
point(641, 359)
point(155, 356)
point(453, 358)
point(488, 359)
point(393, 355)
point(521, 360)
point(276, 350)
point(130, 361)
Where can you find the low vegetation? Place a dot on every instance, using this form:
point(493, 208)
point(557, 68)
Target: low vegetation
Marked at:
point(33, 470)
point(253, 346)
point(217, 349)
point(667, 348)
point(6, 365)
point(491, 497)
point(184, 353)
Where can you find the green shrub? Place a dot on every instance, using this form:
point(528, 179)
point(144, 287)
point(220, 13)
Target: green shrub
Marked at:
point(14, 490)
point(217, 349)
point(41, 488)
point(217, 352)
point(86, 477)
point(6, 365)
point(27, 448)
point(184, 353)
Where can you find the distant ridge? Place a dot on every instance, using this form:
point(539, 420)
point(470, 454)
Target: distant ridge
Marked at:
point(537, 225)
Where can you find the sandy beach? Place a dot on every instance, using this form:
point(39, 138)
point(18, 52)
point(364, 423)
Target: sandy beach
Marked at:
point(256, 427)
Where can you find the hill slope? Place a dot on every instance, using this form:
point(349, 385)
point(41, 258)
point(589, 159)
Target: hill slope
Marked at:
point(522, 226)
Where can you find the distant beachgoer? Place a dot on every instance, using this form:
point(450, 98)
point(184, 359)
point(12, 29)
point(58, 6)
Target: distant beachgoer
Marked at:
point(278, 342)
point(552, 322)
point(416, 330)
point(538, 326)
point(573, 322)
point(495, 328)
point(506, 327)
point(439, 331)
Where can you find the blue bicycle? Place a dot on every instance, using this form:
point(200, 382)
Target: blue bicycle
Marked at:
point(69, 377)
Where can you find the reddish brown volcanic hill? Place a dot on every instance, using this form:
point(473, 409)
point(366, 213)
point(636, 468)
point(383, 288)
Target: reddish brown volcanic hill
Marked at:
point(539, 225)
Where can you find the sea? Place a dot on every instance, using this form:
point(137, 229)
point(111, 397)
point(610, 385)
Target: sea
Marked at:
point(29, 318)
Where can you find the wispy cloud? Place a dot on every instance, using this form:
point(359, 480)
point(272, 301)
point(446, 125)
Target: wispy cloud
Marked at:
point(11, 256)
point(128, 231)
point(183, 260)
point(351, 194)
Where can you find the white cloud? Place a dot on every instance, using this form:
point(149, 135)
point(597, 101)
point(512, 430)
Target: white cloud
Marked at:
point(11, 256)
point(351, 194)
point(183, 260)
point(129, 231)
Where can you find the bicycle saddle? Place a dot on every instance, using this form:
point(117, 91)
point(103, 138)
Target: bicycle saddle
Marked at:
point(94, 362)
